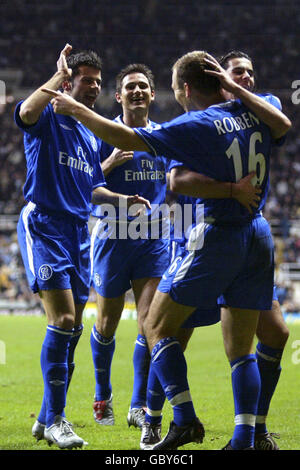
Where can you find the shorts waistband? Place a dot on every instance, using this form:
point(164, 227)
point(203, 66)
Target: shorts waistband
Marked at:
point(56, 215)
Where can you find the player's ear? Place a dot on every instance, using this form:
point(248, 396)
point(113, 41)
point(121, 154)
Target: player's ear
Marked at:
point(118, 97)
point(187, 90)
point(67, 86)
point(152, 95)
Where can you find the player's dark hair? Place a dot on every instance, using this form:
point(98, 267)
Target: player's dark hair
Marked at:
point(190, 69)
point(134, 68)
point(88, 58)
point(224, 60)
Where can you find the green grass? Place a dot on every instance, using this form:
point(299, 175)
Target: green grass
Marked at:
point(209, 376)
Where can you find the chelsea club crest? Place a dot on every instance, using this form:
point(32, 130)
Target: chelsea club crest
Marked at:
point(45, 272)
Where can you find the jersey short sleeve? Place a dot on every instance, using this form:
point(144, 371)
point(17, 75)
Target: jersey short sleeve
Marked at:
point(174, 164)
point(33, 129)
point(275, 101)
point(177, 139)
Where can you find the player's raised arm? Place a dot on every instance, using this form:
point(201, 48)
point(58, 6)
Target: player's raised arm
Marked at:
point(277, 121)
point(113, 133)
point(33, 106)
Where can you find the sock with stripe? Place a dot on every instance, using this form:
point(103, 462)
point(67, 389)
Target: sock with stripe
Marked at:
point(77, 331)
point(268, 361)
point(54, 366)
point(155, 399)
point(165, 354)
point(141, 361)
point(246, 388)
point(102, 352)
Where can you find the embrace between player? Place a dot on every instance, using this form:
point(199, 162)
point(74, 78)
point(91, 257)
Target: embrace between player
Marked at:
point(245, 301)
point(248, 287)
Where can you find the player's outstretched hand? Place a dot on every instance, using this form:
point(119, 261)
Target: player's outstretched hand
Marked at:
point(61, 102)
point(247, 194)
point(62, 62)
point(118, 157)
point(217, 71)
point(138, 201)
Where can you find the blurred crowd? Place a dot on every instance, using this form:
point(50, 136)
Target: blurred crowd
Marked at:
point(155, 33)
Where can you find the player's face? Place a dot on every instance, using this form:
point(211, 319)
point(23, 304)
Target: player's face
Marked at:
point(136, 92)
point(178, 92)
point(86, 85)
point(240, 70)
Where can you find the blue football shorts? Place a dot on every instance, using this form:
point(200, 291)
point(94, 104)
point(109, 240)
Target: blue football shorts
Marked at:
point(221, 301)
point(117, 262)
point(236, 262)
point(203, 317)
point(55, 252)
point(200, 316)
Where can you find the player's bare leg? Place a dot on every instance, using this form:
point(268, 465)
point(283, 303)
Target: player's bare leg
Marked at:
point(238, 327)
point(272, 329)
point(183, 336)
point(109, 311)
point(59, 307)
point(165, 318)
point(144, 290)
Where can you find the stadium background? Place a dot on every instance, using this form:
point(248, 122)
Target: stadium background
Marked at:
point(154, 32)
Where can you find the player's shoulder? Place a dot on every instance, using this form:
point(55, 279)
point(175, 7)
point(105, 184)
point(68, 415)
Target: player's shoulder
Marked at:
point(222, 108)
point(267, 95)
point(206, 117)
point(213, 111)
point(119, 119)
point(273, 99)
point(42, 123)
point(152, 125)
point(185, 119)
point(48, 108)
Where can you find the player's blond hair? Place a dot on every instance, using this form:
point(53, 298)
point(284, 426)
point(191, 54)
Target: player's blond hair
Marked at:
point(190, 69)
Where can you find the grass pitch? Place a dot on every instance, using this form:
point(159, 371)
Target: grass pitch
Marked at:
point(209, 376)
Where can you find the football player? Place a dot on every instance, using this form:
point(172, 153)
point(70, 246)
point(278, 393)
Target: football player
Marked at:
point(63, 176)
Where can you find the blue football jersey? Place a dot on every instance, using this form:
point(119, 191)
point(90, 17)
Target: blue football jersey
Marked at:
point(63, 164)
point(184, 215)
point(225, 142)
point(145, 175)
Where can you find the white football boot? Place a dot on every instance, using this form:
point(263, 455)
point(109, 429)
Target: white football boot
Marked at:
point(62, 434)
point(38, 430)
